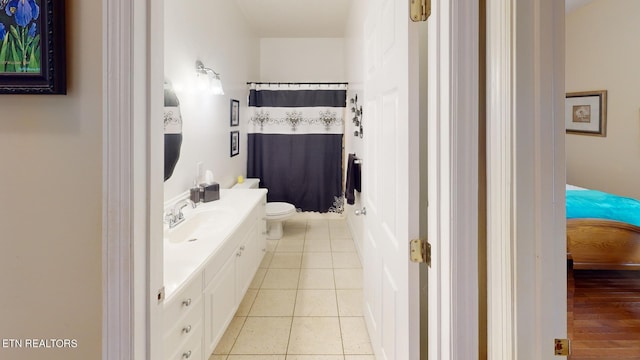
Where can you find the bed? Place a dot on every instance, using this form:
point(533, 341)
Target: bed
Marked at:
point(603, 230)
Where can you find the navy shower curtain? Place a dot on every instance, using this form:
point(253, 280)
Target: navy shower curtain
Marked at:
point(295, 143)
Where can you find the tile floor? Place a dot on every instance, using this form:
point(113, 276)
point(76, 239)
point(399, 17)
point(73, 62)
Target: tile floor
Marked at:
point(305, 302)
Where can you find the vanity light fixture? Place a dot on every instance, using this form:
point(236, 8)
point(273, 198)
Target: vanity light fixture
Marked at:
point(208, 79)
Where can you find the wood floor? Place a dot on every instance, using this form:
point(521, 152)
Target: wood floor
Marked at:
point(604, 314)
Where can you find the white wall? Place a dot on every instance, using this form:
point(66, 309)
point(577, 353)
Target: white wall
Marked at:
point(603, 53)
point(302, 60)
point(218, 35)
point(354, 63)
point(51, 196)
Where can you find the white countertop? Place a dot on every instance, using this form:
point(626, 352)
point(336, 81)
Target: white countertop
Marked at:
point(184, 259)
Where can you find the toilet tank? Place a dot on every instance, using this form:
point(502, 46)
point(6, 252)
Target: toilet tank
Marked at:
point(247, 184)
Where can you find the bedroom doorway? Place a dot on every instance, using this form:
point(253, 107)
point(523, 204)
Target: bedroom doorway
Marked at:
point(603, 320)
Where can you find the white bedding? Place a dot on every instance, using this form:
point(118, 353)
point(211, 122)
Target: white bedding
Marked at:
point(573, 187)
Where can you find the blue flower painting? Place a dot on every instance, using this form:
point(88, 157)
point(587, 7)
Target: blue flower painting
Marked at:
point(32, 30)
point(23, 10)
point(20, 47)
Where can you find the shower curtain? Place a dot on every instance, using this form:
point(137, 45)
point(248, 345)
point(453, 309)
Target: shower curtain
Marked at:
point(295, 143)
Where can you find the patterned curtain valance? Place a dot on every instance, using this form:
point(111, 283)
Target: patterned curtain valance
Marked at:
point(297, 109)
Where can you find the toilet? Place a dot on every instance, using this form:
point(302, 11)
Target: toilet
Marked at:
point(276, 212)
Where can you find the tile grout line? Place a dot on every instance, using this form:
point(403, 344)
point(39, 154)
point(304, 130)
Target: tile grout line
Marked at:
point(335, 285)
point(295, 300)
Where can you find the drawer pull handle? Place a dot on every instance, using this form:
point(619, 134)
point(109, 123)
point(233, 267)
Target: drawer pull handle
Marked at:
point(186, 329)
point(187, 302)
point(186, 355)
point(239, 253)
point(242, 247)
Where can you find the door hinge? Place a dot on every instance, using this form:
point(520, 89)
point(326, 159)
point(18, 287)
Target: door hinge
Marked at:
point(160, 295)
point(562, 347)
point(420, 10)
point(420, 251)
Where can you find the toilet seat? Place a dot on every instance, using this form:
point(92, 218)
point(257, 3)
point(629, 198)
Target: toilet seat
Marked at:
point(279, 210)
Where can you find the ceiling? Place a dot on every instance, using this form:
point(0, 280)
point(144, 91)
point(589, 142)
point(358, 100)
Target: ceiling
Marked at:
point(571, 5)
point(296, 18)
point(311, 18)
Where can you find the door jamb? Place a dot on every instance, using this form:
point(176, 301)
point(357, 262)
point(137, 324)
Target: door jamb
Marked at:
point(132, 268)
point(526, 178)
point(118, 341)
point(453, 179)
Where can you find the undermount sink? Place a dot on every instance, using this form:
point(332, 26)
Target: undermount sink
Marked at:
point(200, 225)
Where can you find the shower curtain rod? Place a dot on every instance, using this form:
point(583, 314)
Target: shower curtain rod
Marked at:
point(296, 83)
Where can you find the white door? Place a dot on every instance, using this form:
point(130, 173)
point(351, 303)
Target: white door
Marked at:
point(390, 194)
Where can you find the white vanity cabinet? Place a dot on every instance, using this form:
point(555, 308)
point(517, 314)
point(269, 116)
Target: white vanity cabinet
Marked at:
point(223, 294)
point(198, 311)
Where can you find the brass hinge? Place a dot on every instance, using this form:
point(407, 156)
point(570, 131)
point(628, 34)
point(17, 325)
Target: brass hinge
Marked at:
point(562, 347)
point(420, 251)
point(420, 10)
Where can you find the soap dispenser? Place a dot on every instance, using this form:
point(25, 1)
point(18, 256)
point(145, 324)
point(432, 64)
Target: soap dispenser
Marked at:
point(196, 193)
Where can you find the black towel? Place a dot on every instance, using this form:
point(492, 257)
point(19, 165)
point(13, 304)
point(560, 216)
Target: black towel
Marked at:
point(353, 179)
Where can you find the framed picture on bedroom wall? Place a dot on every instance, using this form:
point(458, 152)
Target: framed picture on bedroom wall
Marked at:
point(235, 143)
point(586, 113)
point(235, 112)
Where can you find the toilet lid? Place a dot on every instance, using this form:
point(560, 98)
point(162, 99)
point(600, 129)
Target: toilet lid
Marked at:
point(279, 208)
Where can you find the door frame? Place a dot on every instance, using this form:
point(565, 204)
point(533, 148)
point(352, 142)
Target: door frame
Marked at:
point(526, 236)
point(519, 329)
point(453, 62)
point(132, 200)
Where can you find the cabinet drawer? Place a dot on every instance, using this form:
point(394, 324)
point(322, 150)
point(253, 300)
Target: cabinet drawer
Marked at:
point(183, 329)
point(183, 301)
point(189, 350)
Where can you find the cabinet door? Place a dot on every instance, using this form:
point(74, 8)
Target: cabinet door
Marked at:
point(247, 261)
point(219, 304)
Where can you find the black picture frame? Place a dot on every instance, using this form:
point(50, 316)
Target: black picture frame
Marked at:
point(234, 113)
point(41, 45)
point(234, 143)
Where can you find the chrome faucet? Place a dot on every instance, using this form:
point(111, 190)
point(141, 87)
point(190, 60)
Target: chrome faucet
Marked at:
point(175, 215)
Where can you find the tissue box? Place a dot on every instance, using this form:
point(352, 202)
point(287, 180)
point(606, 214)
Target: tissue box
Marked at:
point(211, 192)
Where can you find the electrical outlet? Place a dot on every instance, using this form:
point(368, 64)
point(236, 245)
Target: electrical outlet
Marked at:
point(199, 171)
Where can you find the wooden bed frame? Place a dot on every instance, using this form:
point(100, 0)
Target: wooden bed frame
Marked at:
point(598, 244)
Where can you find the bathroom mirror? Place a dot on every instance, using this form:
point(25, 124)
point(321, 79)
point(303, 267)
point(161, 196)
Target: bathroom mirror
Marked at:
point(172, 130)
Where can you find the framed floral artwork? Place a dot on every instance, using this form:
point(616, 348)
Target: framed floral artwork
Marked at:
point(586, 113)
point(32, 47)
